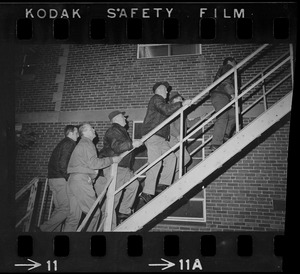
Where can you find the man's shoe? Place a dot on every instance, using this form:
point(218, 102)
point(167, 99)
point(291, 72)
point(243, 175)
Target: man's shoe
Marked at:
point(214, 147)
point(121, 217)
point(143, 199)
point(226, 138)
point(160, 189)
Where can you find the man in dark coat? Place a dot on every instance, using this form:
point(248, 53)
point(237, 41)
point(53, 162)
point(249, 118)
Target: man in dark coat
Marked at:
point(220, 97)
point(116, 141)
point(58, 177)
point(158, 111)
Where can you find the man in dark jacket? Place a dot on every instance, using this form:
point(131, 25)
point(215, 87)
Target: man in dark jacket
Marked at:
point(220, 97)
point(57, 176)
point(116, 141)
point(158, 111)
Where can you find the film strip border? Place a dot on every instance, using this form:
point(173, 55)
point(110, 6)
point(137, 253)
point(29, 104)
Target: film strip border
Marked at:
point(151, 23)
point(153, 252)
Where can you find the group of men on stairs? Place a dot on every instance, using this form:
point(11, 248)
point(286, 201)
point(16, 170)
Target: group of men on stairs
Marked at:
point(73, 169)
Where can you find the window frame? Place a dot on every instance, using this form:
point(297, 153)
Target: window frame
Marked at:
point(169, 51)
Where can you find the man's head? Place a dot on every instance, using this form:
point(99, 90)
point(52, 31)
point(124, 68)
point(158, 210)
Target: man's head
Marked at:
point(176, 97)
point(86, 130)
point(162, 88)
point(71, 132)
point(229, 61)
point(118, 117)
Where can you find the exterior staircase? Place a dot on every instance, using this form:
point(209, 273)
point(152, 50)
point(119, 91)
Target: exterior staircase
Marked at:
point(214, 161)
point(200, 176)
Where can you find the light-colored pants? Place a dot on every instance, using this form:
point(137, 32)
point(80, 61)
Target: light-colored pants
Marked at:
point(157, 146)
point(82, 197)
point(225, 122)
point(173, 141)
point(58, 186)
point(125, 200)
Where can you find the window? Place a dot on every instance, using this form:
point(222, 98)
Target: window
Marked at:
point(167, 50)
point(194, 211)
point(29, 63)
point(28, 66)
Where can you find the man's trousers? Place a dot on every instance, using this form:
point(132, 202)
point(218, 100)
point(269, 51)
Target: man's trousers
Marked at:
point(125, 198)
point(82, 197)
point(225, 122)
point(186, 156)
point(58, 186)
point(157, 146)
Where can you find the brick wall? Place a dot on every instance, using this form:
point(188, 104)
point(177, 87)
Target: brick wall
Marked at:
point(33, 162)
point(242, 197)
point(108, 77)
point(112, 76)
point(36, 95)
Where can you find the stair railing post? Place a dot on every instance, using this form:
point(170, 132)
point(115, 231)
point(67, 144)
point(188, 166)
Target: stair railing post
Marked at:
point(292, 64)
point(264, 92)
point(30, 206)
point(236, 94)
point(110, 197)
point(50, 206)
point(181, 160)
point(43, 202)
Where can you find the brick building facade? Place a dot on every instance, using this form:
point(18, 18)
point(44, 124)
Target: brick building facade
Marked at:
point(72, 84)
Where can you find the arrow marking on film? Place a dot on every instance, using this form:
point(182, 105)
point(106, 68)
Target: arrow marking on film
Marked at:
point(33, 265)
point(166, 266)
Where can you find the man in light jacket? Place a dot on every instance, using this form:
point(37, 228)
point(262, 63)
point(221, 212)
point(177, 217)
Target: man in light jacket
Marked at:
point(83, 168)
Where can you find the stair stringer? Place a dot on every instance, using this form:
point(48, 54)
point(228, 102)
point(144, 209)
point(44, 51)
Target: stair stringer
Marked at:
point(213, 162)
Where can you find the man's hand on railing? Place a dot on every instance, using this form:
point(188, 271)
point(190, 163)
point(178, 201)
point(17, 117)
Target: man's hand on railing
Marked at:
point(137, 143)
point(232, 98)
point(186, 102)
point(117, 159)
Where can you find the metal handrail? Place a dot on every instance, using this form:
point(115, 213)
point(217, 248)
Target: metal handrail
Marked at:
point(23, 218)
point(264, 70)
point(204, 122)
point(269, 91)
point(202, 126)
point(32, 186)
point(92, 209)
point(24, 189)
point(215, 115)
point(51, 206)
point(201, 121)
point(196, 98)
point(245, 85)
point(43, 202)
point(201, 146)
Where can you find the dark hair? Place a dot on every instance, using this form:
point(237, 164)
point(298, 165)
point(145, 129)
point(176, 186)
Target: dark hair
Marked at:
point(68, 129)
point(231, 59)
